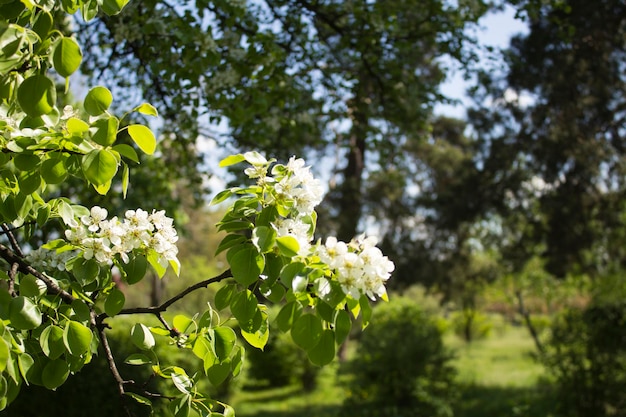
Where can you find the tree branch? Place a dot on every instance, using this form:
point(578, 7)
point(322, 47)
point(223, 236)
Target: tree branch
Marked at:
point(156, 310)
point(9, 256)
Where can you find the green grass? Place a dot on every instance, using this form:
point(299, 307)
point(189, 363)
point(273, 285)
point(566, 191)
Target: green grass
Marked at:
point(504, 359)
point(498, 377)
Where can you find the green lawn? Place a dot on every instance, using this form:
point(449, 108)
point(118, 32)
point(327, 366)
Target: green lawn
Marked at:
point(498, 378)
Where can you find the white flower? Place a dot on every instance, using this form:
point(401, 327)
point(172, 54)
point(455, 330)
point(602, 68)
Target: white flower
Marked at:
point(97, 214)
point(138, 219)
point(297, 229)
point(332, 252)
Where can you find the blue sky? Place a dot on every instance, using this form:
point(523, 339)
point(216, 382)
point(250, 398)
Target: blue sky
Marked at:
point(496, 30)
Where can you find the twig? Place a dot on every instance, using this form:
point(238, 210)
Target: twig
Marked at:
point(12, 274)
point(16, 247)
point(163, 307)
point(8, 255)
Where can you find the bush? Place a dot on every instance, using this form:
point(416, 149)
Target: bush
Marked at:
point(471, 325)
point(401, 366)
point(587, 355)
point(282, 363)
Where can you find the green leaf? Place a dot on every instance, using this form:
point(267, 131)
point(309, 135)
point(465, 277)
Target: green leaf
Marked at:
point(288, 246)
point(232, 160)
point(224, 295)
point(24, 314)
point(113, 7)
point(55, 373)
point(29, 181)
point(53, 170)
point(51, 342)
point(76, 126)
point(224, 339)
point(219, 372)
point(289, 272)
point(258, 338)
point(229, 241)
point(85, 270)
point(264, 238)
point(221, 196)
point(307, 331)
point(114, 302)
point(32, 287)
point(137, 359)
point(244, 306)
point(127, 151)
point(182, 323)
point(97, 101)
point(141, 337)
point(324, 352)
point(25, 162)
point(182, 382)
point(77, 338)
point(246, 266)
point(343, 325)
point(5, 354)
point(37, 95)
point(25, 362)
point(139, 398)
point(143, 137)
point(106, 131)
point(147, 109)
point(135, 269)
point(288, 314)
point(99, 166)
point(66, 57)
point(43, 24)
point(366, 311)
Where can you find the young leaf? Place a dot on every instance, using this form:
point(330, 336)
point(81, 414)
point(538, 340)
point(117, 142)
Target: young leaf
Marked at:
point(36, 95)
point(143, 137)
point(141, 337)
point(97, 101)
point(232, 160)
point(224, 295)
point(51, 342)
point(77, 338)
point(224, 341)
point(147, 109)
point(127, 151)
point(99, 166)
point(288, 246)
point(66, 57)
point(53, 170)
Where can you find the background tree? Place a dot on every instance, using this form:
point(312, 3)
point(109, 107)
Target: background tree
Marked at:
point(551, 137)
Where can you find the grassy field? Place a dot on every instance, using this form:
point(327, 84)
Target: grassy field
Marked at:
point(498, 377)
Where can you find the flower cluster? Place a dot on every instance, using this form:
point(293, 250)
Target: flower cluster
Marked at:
point(359, 266)
point(294, 186)
point(49, 260)
point(102, 239)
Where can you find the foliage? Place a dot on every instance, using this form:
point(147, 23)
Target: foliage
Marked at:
point(587, 355)
point(280, 364)
point(471, 325)
point(402, 364)
point(57, 300)
point(551, 152)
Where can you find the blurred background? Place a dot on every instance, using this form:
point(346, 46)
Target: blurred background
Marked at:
point(483, 142)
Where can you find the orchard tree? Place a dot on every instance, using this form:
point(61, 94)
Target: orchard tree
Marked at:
point(56, 299)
